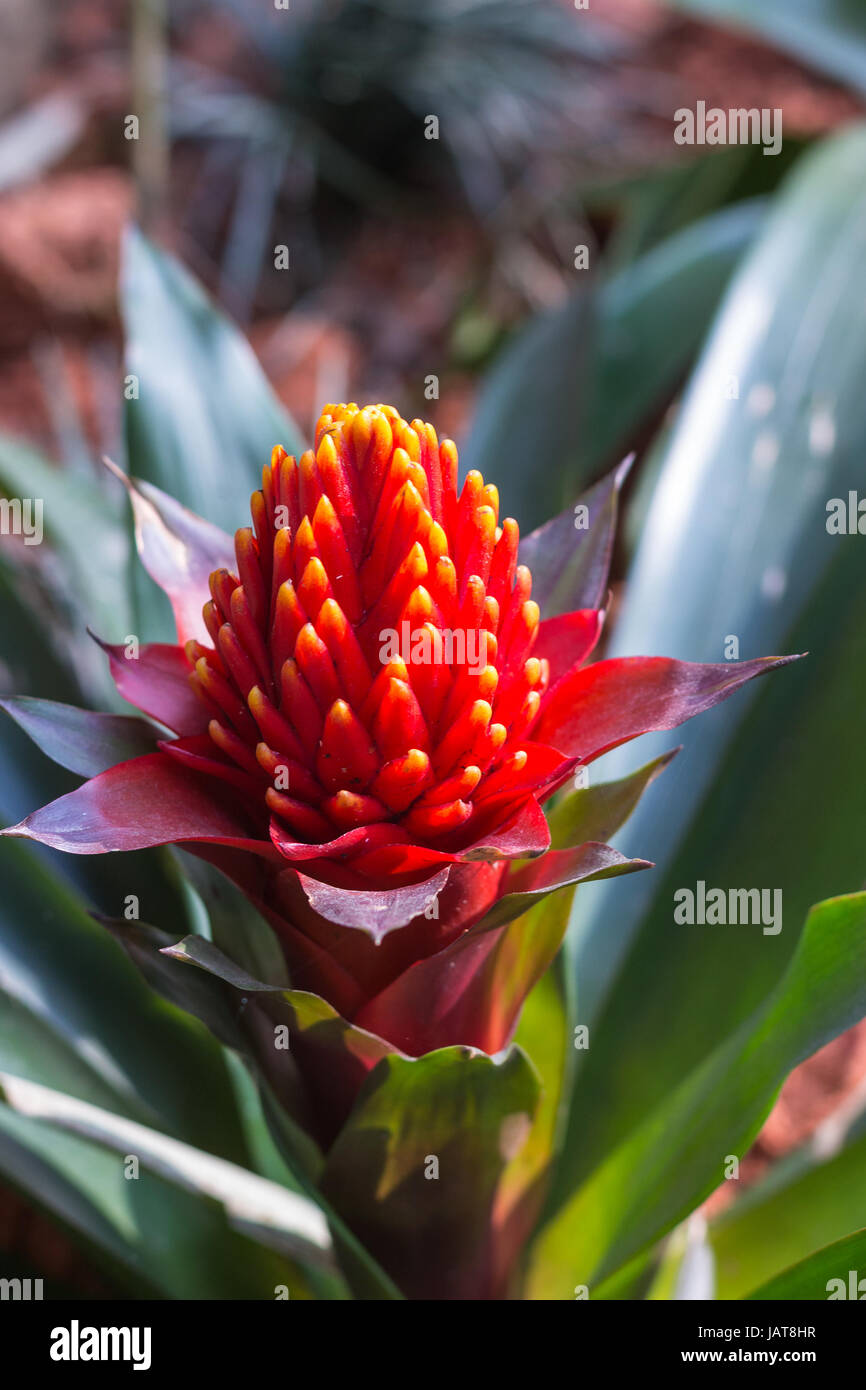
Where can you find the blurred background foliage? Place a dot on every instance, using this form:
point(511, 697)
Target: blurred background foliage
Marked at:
point(718, 330)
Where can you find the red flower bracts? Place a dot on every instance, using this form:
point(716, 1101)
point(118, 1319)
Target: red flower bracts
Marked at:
point(369, 705)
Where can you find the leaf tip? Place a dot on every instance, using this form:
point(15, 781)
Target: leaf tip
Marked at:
point(623, 469)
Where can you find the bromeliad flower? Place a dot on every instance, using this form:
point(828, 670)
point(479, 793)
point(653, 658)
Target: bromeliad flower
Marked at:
point(370, 702)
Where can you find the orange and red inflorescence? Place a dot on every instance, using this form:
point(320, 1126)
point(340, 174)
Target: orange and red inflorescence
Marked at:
point(379, 717)
point(367, 539)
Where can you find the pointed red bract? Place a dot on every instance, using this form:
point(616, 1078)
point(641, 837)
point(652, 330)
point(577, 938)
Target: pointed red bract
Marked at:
point(155, 678)
point(178, 549)
point(138, 804)
point(613, 701)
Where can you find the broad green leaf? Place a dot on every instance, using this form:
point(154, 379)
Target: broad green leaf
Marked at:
point(677, 1156)
point(31, 663)
point(652, 318)
point(236, 927)
point(75, 1016)
point(542, 1033)
point(244, 1012)
point(831, 1273)
point(241, 1012)
point(457, 1113)
point(282, 1219)
point(84, 525)
point(153, 1236)
point(336, 1054)
point(663, 199)
point(265, 1156)
point(365, 1277)
point(82, 740)
point(826, 34)
point(204, 420)
point(808, 1200)
point(708, 977)
point(634, 1281)
point(597, 812)
point(525, 432)
point(188, 990)
point(571, 391)
point(71, 1180)
point(736, 545)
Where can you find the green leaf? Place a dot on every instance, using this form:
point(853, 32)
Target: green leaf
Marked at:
point(807, 1201)
point(366, 1278)
point(526, 427)
point(556, 409)
point(246, 1024)
point(84, 525)
point(468, 1112)
point(151, 1235)
point(30, 662)
point(597, 812)
point(236, 927)
point(188, 990)
point(33, 662)
point(664, 199)
point(81, 740)
point(243, 1012)
point(833, 1272)
point(284, 1220)
point(826, 34)
point(736, 542)
point(677, 1156)
point(43, 657)
point(542, 1033)
point(652, 318)
point(76, 1017)
point(344, 1052)
point(204, 421)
